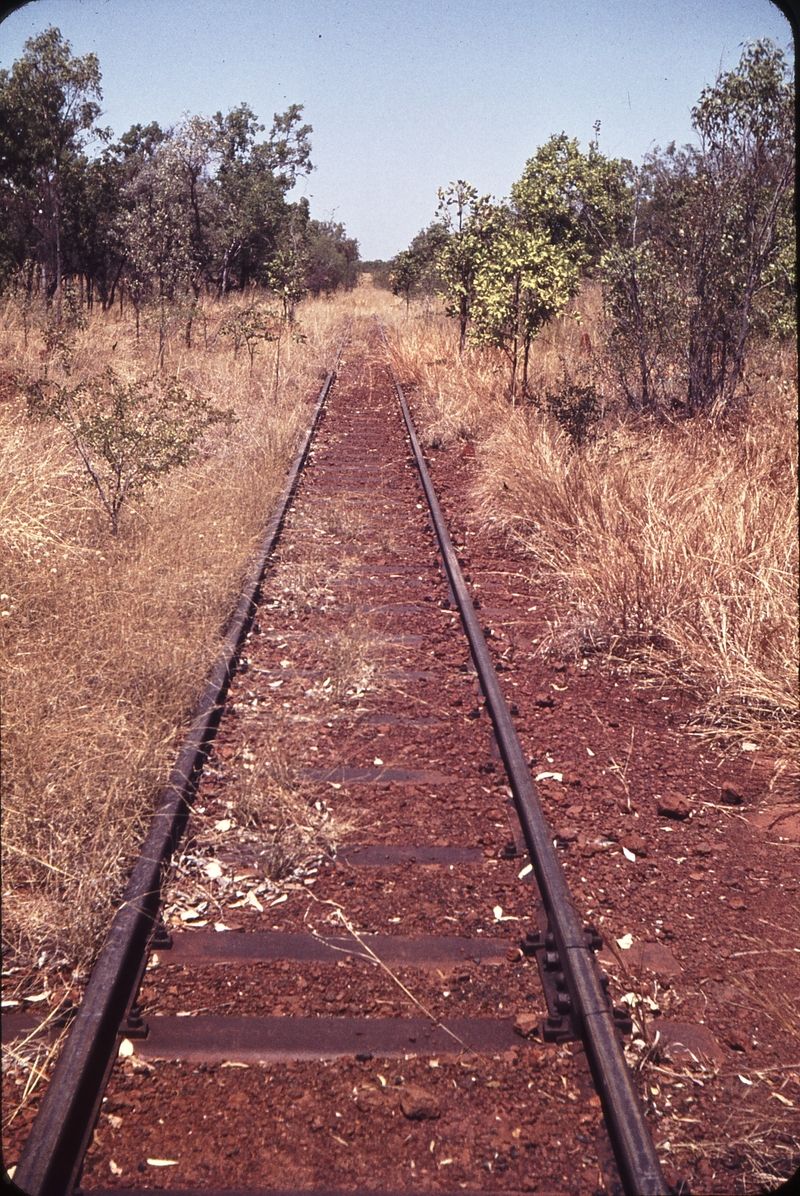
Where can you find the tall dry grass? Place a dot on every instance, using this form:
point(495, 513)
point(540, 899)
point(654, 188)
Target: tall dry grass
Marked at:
point(105, 641)
point(672, 546)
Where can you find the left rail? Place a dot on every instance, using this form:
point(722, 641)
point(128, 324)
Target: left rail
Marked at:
point(59, 1138)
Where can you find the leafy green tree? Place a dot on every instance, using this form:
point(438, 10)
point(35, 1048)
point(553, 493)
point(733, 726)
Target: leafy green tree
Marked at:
point(710, 248)
point(49, 103)
point(520, 285)
point(249, 326)
point(127, 434)
point(582, 202)
point(157, 234)
point(332, 258)
point(470, 224)
point(416, 270)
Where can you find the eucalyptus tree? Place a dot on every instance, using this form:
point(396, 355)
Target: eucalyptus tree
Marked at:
point(469, 221)
point(49, 102)
point(709, 257)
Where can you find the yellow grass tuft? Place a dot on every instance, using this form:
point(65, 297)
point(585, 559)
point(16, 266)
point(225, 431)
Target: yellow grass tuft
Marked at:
point(672, 546)
point(105, 641)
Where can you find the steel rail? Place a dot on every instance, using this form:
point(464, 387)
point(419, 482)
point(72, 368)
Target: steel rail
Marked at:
point(634, 1151)
point(54, 1150)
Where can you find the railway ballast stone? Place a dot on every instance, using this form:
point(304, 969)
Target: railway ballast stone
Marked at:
point(417, 1104)
point(673, 805)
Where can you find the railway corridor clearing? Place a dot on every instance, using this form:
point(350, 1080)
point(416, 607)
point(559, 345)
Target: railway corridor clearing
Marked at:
point(281, 1054)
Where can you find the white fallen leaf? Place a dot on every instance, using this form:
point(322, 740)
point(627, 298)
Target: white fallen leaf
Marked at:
point(114, 1121)
point(525, 871)
point(233, 1063)
point(125, 1049)
point(189, 915)
point(8, 1004)
point(221, 926)
point(629, 855)
point(251, 899)
point(275, 684)
point(783, 1099)
point(394, 921)
point(213, 869)
point(286, 664)
point(550, 776)
point(224, 824)
point(38, 997)
point(626, 942)
point(377, 760)
point(501, 917)
point(745, 1080)
point(162, 1162)
point(197, 925)
point(280, 900)
point(589, 752)
point(114, 1168)
point(447, 1162)
point(749, 747)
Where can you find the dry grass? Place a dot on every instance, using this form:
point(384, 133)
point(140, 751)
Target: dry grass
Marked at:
point(106, 641)
point(673, 546)
point(269, 797)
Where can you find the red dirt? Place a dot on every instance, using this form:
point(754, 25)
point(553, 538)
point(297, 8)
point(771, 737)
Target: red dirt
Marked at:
point(708, 899)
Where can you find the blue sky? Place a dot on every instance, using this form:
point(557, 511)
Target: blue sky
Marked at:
point(406, 95)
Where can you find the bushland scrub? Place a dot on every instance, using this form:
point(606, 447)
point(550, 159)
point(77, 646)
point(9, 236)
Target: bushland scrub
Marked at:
point(107, 639)
point(670, 544)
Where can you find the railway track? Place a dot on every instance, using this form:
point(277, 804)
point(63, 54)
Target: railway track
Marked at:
point(422, 1009)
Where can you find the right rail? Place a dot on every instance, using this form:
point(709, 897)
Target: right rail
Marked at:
point(633, 1146)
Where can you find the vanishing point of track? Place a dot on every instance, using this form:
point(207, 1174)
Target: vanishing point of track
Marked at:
point(361, 450)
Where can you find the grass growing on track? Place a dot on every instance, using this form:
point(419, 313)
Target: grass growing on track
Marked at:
point(674, 546)
point(106, 640)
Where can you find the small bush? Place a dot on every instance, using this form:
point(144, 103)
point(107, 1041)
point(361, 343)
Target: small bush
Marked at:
point(127, 434)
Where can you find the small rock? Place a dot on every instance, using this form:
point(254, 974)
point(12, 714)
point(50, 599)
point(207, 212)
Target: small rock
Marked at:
point(731, 794)
point(544, 699)
point(736, 903)
point(634, 842)
point(417, 1104)
point(673, 805)
point(567, 834)
point(526, 1024)
point(369, 1100)
point(737, 1041)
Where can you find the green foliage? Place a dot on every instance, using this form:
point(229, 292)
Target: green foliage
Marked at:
point(48, 103)
point(580, 201)
point(711, 246)
point(415, 270)
point(525, 281)
point(128, 434)
point(470, 223)
point(248, 326)
point(332, 258)
point(576, 406)
point(162, 214)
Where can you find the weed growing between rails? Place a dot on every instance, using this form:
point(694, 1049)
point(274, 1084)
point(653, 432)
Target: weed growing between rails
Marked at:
point(674, 545)
point(106, 640)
